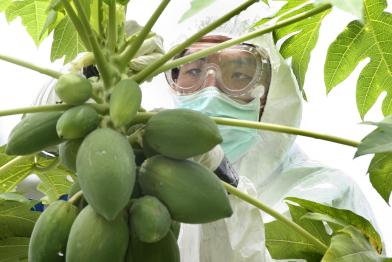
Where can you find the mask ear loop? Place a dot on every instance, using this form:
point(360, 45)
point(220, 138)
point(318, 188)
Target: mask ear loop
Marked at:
point(265, 79)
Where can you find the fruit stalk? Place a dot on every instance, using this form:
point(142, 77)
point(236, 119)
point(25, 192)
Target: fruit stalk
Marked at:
point(255, 202)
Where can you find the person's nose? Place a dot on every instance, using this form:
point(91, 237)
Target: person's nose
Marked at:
point(210, 78)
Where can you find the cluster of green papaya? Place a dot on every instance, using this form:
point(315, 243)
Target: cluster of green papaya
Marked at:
point(137, 183)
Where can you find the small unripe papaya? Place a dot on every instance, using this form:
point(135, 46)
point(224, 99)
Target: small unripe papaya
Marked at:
point(150, 219)
point(93, 238)
point(68, 151)
point(191, 192)
point(125, 101)
point(106, 170)
point(50, 234)
point(73, 89)
point(181, 133)
point(77, 122)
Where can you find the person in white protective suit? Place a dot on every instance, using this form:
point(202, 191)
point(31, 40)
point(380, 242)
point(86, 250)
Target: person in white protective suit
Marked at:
point(260, 87)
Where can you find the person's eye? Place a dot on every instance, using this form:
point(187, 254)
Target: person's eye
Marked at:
point(241, 76)
point(194, 72)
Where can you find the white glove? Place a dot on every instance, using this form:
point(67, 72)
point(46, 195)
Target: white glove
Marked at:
point(211, 159)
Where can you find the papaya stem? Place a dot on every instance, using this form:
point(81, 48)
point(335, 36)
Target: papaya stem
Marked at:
point(284, 129)
point(75, 197)
point(49, 108)
point(142, 117)
point(103, 65)
point(255, 202)
point(239, 40)
point(132, 49)
point(100, 18)
point(112, 26)
point(31, 66)
point(145, 73)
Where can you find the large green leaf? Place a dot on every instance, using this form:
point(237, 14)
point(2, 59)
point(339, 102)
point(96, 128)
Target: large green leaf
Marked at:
point(33, 14)
point(16, 217)
point(66, 41)
point(350, 245)
point(379, 140)
point(359, 41)
point(299, 39)
point(4, 4)
point(285, 243)
point(346, 217)
point(380, 173)
point(14, 249)
point(13, 170)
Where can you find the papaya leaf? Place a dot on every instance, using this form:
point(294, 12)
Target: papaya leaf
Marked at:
point(66, 41)
point(359, 41)
point(345, 217)
point(4, 4)
point(16, 217)
point(299, 39)
point(54, 183)
point(196, 7)
point(288, 7)
point(380, 174)
point(14, 249)
point(32, 13)
point(13, 170)
point(348, 245)
point(379, 140)
point(354, 7)
point(284, 243)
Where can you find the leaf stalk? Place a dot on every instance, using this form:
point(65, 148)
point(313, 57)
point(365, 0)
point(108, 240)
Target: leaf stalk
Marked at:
point(255, 202)
point(31, 66)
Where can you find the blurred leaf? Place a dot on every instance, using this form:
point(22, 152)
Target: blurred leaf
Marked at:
point(357, 42)
point(12, 174)
point(288, 7)
point(14, 249)
point(299, 39)
point(54, 183)
point(33, 14)
point(379, 140)
point(16, 218)
point(4, 4)
point(285, 243)
point(354, 7)
point(66, 41)
point(346, 217)
point(349, 245)
point(380, 173)
point(196, 7)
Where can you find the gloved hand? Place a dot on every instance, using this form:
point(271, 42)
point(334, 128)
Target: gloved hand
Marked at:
point(216, 161)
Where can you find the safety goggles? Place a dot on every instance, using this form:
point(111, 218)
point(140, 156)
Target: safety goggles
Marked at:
point(241, 71)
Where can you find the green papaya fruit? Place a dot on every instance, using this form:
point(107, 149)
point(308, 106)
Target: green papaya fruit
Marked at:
point(33, 133)
point(68, 151)
point(93, 238)
point(106, 170)
point(181, 133)
point(50, 233)
point(73, 89)
point(125, 101)
point(150, 219)
point(165, 250)
point(77, 122)
point(191, 192)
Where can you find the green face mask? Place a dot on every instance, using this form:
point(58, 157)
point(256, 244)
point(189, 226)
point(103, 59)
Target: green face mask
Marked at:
point(210, 101)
